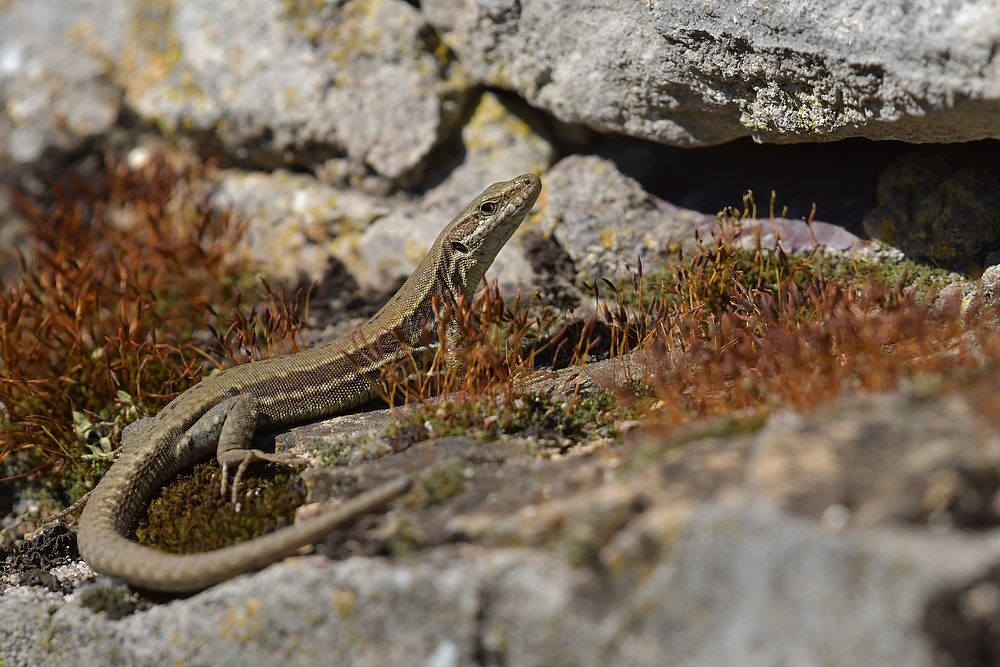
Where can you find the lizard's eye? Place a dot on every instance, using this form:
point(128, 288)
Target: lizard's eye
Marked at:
point(488, 207)
point(459, 246)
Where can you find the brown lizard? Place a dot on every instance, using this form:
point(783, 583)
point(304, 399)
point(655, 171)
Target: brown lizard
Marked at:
point(221, 413)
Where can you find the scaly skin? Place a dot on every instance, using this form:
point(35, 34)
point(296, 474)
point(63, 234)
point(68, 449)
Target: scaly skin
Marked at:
point(221, 413)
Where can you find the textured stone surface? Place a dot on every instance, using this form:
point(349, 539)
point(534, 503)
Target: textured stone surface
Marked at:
point(55, 88)
point(714, 551)
point(498, 142)
point(702, 73)
point(295, 219)
point(732, 586)
point(940, 210)
point(832, 466)
point(285, 83)
point(605, 221)
point(12, 237)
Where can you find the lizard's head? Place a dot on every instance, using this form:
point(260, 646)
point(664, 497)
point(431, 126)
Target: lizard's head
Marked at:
point(471, 242)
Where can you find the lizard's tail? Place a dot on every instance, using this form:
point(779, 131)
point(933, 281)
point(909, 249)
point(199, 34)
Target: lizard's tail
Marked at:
point(111, 553)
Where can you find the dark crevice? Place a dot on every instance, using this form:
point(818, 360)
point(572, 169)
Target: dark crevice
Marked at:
point(841, 178)
point(482, 654)
point(963, 622)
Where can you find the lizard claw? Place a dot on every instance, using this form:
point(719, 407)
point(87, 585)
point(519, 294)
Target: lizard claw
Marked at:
point(243, 461)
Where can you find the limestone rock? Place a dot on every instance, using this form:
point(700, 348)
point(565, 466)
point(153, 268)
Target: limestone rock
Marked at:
point(704, 73)
point(731, 586)
point(296, 84)
point(295, 219)
point(55, 88)
point(718, 550)
point(939, 210)
point(498, 144)
point(605, 220)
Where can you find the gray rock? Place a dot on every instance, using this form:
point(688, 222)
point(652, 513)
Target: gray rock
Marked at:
point(605, 221)
point(933, 208)
point(296, 221)
point(989, 286)
point(703, 73)
point(498, 144)
point(728, 586)
point(937, 448)
point(56, 90)
point(295, 84)
point(13, 232)
point(716, 551)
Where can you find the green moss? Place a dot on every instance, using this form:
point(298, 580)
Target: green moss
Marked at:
point(114, 599)
point(192, 516)
point(847, 267)
point(591, 416)
point(406, 537)
point(442, 482)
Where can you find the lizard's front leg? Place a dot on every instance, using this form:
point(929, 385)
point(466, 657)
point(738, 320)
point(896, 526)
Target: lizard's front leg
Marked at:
point(230, 426)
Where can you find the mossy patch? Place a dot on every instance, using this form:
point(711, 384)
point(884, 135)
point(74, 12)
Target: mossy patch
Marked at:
point(526, 414)
point(192, 516)
point(115, 599)
point(442, 482)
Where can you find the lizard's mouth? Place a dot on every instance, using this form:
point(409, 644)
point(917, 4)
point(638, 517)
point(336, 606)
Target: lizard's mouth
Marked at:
point(530, 187)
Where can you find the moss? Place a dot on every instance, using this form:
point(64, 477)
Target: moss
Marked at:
point(527, 414)
point(851, 267)
point(444, 481)
point(406, 537)
point(100, 329)
point(114, 599)
point(192, 516)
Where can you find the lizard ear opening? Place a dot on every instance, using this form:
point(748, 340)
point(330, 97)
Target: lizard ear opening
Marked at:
point(459, 246)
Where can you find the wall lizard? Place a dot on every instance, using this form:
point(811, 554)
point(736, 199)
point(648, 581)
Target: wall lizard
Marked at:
point(221, 413)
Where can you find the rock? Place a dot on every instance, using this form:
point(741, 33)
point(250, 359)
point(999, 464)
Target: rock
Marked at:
point(743, 549)
point(295, 219)
point(294, 84)
point(13, 237)
point(886, 459)
point(55, 88)
point(727, 586)
point(704, 73)
point(605, 221)
point(498, 143)
point(936, 208)
point(949, 302)
point(989, 287)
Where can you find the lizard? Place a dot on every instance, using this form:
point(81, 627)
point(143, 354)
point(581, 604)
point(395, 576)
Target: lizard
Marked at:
point(221, 413)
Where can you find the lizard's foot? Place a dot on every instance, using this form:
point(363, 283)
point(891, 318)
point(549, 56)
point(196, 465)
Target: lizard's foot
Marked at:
point(244, 457)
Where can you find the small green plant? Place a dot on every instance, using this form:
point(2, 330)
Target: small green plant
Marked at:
point(734, 329)
point(102, 327)
point(483, 366)
point(191, 515)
